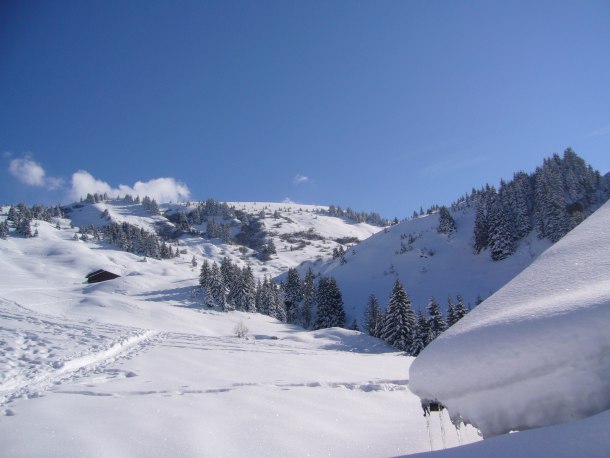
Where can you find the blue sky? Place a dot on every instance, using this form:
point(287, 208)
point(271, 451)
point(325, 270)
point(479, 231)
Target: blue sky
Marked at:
point(381, 106)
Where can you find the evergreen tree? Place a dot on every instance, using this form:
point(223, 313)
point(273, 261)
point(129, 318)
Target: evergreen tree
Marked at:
point(154, 207)
point(330, 305)
point(309, 297)
point(552, 220)
point(501, 236)
point(421, 334)
point(446, 223)
point(3, 230)
point(400, 320)
point(258, 298)
point(373, 317)
point(246, 299)
point(293, 296)
point(217, 288)
point(459, 310)
point(436, 323)
point(204, 274)
point(275, 304)
point(481, 230)
point(451, 318)
point(23, 226)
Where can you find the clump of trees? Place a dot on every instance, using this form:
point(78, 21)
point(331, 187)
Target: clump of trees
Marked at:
point(553, 200)
point(402, 328)
point(303, 302)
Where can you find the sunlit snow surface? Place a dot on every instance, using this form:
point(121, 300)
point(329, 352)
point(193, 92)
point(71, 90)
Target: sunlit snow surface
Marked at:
point(537, 352)
point(136, 367)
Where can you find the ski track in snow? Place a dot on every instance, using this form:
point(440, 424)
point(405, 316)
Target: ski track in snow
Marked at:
point(31, 350)
point(232, 345)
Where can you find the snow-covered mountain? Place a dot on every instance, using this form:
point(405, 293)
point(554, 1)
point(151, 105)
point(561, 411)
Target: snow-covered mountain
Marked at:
point(139, 366)
point(299, 232)
point(536, 353)
point(136, 367)
point(427, 262)
point(475, 247)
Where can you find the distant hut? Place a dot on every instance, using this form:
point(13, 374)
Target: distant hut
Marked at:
point(100, 275)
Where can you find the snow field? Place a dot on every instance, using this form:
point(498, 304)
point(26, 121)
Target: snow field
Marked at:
point(536, 352)
point(135, 366)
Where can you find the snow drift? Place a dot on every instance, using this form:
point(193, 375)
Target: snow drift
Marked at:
point(537, 352)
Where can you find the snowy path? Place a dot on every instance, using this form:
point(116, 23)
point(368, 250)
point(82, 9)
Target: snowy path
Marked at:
point(40, 351)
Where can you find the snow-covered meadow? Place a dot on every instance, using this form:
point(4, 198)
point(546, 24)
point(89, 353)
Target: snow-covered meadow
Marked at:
point(135, 366)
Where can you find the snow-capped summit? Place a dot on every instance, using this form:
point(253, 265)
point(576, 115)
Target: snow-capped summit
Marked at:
point(537, 352)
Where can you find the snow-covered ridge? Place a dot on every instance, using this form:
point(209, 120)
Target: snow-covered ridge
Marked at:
point(299, 232)
point(427, 263)
point(536, 353)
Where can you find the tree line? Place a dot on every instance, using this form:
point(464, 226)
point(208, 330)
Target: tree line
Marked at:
point(308, 303)
point(405, 330)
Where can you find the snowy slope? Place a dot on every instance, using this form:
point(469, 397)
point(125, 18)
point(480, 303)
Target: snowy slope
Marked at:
point(537, 352)
point(432, 264)
point(133, 367)
point(293, 219)
point(581, 438)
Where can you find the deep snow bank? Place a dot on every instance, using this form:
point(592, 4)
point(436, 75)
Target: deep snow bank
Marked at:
point(537, 352)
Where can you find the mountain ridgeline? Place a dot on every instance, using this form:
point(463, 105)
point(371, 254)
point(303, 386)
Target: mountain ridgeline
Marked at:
point(327, 262)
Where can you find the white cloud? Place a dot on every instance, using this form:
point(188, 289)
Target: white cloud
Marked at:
point(160, 189)
point(31, 173)
point(599, 132)
point(299, 179)
point(288, 200)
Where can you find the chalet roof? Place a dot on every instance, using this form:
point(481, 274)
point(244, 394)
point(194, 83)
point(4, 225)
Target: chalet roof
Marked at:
point(100, 275)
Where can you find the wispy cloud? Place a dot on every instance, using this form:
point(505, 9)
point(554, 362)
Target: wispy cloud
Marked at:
point(30, 172)
point(300, 179)
point(452, 164)
point(601, 132)
point(161, 189)
point(288, 200)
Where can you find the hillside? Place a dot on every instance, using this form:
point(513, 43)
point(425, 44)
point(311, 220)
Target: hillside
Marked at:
point(475, 247)
point(535, 353)
point(134, 366)
point(298, 232)
point(428, 264)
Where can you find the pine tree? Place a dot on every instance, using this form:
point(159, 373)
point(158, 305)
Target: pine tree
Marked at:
point(400, 320)
point(436, 323)
point(3, 230)
point(421, 334)
point(154, 207)
point(552, 221)
point(481, 229)
point(446, 223)
point(309, 297)
point(459, 310)
point(501, 236)
point(330, 305)
point(23, 226)
point(373, 317)
point(258, 298)
point(451, 318)
point(217, 288)
point(246, 300)
point(276, 304)
point(293, 296)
